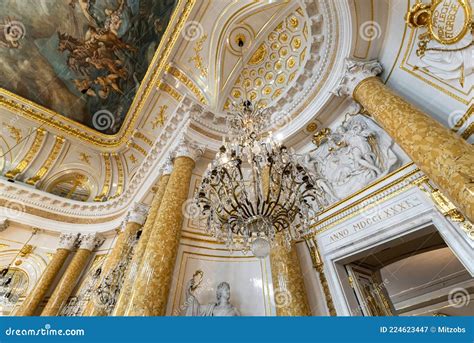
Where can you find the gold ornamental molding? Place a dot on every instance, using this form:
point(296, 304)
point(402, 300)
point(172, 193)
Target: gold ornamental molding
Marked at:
point(69, 127)
point(445, 206)
point(170, 90)
point(53, 155)
point(380, 195)
point(30, 155)
point(108, 178)
point(144, 138)
point(181, 76)
point(121, 176)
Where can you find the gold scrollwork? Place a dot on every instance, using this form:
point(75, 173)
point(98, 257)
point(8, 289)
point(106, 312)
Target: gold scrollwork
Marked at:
point(84, 157)
point(15, 133)
point(321, 137)
point(133, 159)
point(160, 117)
point(197, 59)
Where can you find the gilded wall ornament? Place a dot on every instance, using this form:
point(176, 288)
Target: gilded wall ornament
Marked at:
point(84, 157)
point(197, 58)
point(159, 119)
point(15, 133)
point(445, 42)
point(446, 21)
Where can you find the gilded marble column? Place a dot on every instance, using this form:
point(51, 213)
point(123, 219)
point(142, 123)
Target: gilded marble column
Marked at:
point(153, 282)
point(117, 260)
point(288, 286)
point(126, 291)
point(443, 156)
point(87, 243)
point(36, 296)
point(319, 266)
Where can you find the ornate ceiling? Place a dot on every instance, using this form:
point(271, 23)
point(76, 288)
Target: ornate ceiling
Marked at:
point(293, 57)
point(275, 64)
point(82, 59)
point(195, 71)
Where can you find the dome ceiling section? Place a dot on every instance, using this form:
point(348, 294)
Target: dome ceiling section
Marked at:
point(207, 58)
point(275, 64)
point(291, 68)
point(253, 28)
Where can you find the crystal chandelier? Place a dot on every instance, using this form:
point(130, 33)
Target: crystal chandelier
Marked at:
point(107, 293)
point(255, 187)
point(10, 288)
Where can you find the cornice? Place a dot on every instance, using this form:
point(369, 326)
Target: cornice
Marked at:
point(20, 197)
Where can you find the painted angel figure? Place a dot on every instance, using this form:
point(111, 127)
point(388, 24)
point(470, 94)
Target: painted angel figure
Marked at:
point(221, 308)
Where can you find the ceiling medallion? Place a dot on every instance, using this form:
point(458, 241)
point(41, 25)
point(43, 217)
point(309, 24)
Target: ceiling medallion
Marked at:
point(255, 187)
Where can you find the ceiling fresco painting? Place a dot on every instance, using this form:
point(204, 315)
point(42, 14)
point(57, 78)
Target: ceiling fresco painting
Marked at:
point(83, 59)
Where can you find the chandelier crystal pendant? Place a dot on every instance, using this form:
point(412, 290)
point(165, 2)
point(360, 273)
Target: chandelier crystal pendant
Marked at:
point(255, 187)
point(10, 290)
point(107, 293)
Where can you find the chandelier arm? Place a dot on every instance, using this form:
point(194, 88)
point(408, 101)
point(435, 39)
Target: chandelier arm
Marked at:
point(249, 213)
point(269, 188)
point(219, 199)
point(256, 186)
point(277, 200)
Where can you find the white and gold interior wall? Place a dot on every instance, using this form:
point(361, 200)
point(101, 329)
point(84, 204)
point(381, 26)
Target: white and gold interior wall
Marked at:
point(28, 255)
point(249, 277)
point(439, 81)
